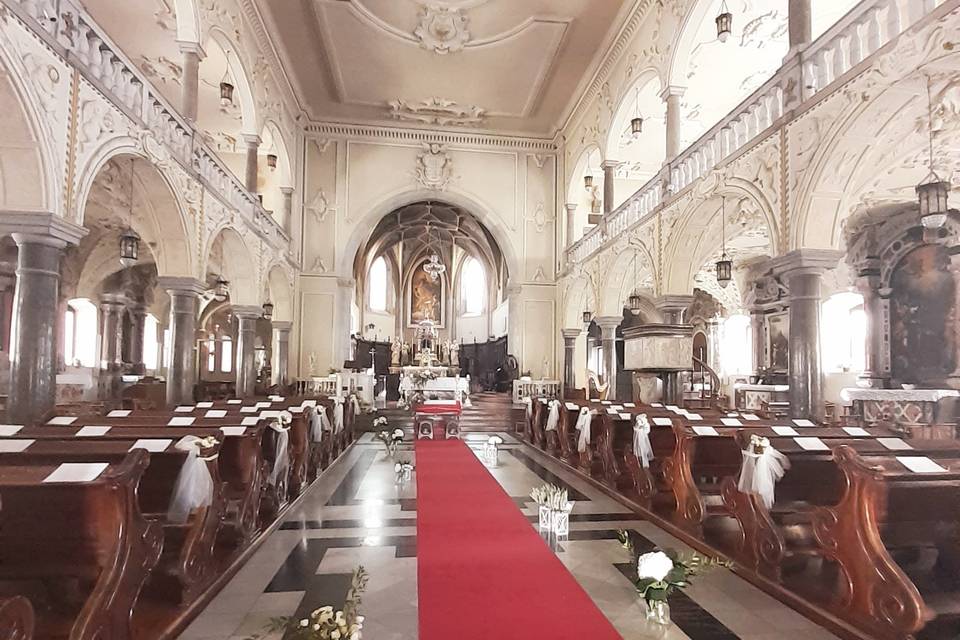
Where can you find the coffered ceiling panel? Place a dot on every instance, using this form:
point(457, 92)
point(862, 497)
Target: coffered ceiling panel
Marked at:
point(497, 65)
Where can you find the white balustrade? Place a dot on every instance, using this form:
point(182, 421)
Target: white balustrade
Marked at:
point(523, 389)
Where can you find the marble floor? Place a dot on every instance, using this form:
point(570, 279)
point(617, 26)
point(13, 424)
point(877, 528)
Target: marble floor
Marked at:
point(356, 514)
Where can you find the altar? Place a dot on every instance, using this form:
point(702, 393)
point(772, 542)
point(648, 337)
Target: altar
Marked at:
point(438, 371)
point(444, 387)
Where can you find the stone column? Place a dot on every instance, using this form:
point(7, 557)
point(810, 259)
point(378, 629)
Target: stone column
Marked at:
point(346, 290)
point(758, 342)
point(868, 284)
point(245, 365)
point(799, 24)
point(182, 373)
point(281, 351)
point(608, 346)
point(569, 350)
point(803, 271)
point(515, 324)
point(139, 315)
point(190, 79)
point(609, 169)
point(111, 330)
point(41, 239)
point(671, 95)
point(571, 208)
point(287, 208)
point(954, 377)
point(252, 172)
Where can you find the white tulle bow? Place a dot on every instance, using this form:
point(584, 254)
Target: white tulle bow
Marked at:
point(281, 460)
point(529, 402)
point(583, 426)
point(316, 423)
point(641, 441)
point(762, 467)
point(194, 487)
point(356, 404)
point(554, 416)
point(337, 415)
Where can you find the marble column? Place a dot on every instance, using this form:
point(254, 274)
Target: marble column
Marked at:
point(609, 180)
point(245, 362)
point(571, 208)
point(251, 174)
point(671, 96)
point(346, 292)
point(190, 79)
point(515, 324)
point(287, 208)
point(803, 270)
point(111, 331)
point(569, 350)
point(139, 315)
point(608, 347)
point(953, 379)
point(758, 345)
point(182, 373)
point(281, 351)
point(799, 24)
point(41, 240)
point(868, 284)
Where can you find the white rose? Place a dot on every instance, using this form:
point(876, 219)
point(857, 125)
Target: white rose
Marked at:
point(655, 565)
point(304, 622)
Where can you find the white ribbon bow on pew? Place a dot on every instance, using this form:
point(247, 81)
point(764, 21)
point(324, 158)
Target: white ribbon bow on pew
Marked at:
point(282, 458)
point(194, 487)
point(529, 402)
point(641, 441)
point(337, 415)
point(356, 404)
point(583, 426)
point(762, 467)
point(317, 420)
point(554, 416)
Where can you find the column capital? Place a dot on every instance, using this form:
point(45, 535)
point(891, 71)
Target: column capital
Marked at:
point(246, 311)
point(571, 206)
point(186, 46)
point(287, 191)
point(514, 289)
point(673, 302)
point(608, 322)
point(610, 164)
point(672, 90)
point(282, 326)
point(346, 283)
point(252, 140)
point(812, 261)
point(571, 334)
point(41, 227)
point(114, 300)
point(180, 285)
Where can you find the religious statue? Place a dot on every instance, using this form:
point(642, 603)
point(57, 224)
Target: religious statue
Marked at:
point(395, 350)
point(405, 353)
point(353, 346)
point(312, 363)
point(455, 354)
point(445, 352)
point(546, 369)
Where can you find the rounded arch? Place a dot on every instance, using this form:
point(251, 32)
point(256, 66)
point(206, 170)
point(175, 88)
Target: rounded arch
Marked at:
point(483, 213)
point(280, 288)
point(618, 281)
point(188, 21)
point(238, 72)
point(26, 150)
point(578, 297)
point(229, 255)
point(625, 110)
point(272, 181)
point(164, 225)
point(589, 158)
point(276, 144)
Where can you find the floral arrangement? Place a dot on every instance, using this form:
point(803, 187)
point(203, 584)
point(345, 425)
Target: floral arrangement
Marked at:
point(380, 422)
point(391, 440)
point(555, 508)
point(490, 451)
point(325, 623)
point(660, 573)
point(404, 470)
point(422, 377)
point(549, 495)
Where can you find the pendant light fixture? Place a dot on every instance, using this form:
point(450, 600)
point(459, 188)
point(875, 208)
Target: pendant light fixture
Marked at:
point(129, 239)
point(724, 22)
point(268, 310)
point(272, 161)
point(933, 192)
point(724, 265)
point(434, 267)
point(226, 90)
point(636, 124)
point(588, 179)
point(634, 301)
point(587, 317)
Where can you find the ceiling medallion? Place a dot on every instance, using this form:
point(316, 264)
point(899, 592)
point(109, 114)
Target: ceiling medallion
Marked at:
point(442, 29)
point(436, 111)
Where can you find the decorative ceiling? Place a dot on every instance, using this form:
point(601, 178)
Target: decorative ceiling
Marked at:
point(505, 65)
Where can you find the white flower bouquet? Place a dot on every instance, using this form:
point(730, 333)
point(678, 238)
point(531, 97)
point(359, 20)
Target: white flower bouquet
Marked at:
point(404, 470)
point(491, 455)
point(325, 623)
point(555, 508)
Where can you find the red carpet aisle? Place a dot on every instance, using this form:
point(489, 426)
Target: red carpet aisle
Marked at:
point(483, 570)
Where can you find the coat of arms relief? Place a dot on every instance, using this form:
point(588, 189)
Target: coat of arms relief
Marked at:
point(434, 166)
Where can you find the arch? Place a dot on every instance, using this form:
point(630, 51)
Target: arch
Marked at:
point(241, 80)
point(397, 200)
point(588, 155)
point(27, 151)
point(578, 297)
point(170, 234)
point(228, 252)
point(280, 287)
point(618, 281)
point(624, 111)
point(188, 21)
point(271, 182)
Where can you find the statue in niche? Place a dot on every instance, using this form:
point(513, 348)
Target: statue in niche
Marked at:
point(405, 353)
point(455, 354)
point(395, 350)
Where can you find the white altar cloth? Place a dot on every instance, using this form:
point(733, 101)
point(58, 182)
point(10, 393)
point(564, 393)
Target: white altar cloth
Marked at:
point(439, 385)
point(853, 394)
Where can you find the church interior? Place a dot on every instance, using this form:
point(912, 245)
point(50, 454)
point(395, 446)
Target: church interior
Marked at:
point(474, 319)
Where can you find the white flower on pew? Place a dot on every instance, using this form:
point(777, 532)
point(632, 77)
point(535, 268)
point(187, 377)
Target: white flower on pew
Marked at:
point(286, 417)
point(583, 427)
point(554, 416)
point(494, 440)
point(398, 434)
point(529, 402)
point(641, 441)
point(763, 466)
point(654, 566)
point(194, 486)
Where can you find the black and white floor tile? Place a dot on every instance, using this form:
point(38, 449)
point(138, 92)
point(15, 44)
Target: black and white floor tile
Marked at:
point(357, 514)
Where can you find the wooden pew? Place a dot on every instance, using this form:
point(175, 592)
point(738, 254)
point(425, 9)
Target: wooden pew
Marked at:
point(91, 535)
point(16, 619)
point(187, 565)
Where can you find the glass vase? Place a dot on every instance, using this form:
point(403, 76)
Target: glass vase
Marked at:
point(658, 612)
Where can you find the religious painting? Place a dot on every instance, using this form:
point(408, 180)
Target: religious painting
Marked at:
point(426, 298)
point(778, 341)
point(922, 336)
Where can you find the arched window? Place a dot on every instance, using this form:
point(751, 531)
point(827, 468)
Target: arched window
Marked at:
point(473, 285)
point(151, 346)
point(226, 355)
point(736, 354)
point(843, 342)
point(80, 333)
point(377, 285)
